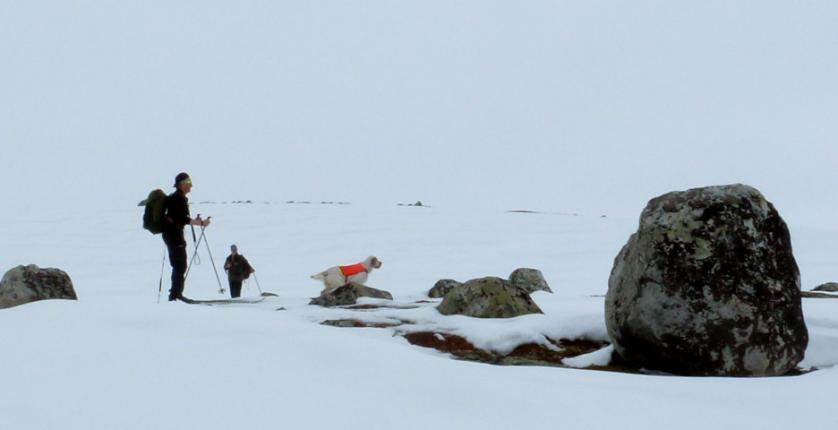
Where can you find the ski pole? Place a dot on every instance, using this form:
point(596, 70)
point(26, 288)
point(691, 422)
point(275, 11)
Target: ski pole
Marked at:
point(257, 283)
point(194, 251)
point(194, 256)
point(212, 260)
point(162, 265)
point(192, 226)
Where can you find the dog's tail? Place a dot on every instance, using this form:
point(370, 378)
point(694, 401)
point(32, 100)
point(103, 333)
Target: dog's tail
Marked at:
point(319, 276)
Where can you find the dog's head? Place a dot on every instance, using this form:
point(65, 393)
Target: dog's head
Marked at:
point(372, 262)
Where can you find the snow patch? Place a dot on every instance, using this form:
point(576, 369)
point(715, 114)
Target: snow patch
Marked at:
point(600, 357)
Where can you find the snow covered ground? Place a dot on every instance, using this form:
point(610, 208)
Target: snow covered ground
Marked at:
point(117, 359)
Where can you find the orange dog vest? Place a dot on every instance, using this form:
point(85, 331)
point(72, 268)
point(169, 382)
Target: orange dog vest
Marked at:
point(352, 269)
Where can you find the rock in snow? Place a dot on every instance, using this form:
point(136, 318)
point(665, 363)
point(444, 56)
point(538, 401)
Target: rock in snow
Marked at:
point(831, 287)
point(25, 284)
point(488, 298)
point(442, 287)
point(348, 295)
point(708, 285)
point(531, 280)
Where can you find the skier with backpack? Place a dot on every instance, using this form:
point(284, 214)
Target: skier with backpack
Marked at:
point(168, 215)
point(238, 269)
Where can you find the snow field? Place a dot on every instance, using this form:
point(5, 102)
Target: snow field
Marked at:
point(117, 359)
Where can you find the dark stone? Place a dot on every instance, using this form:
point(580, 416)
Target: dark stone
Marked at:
point(488, 298)
point(442, 287)
point(348, 295)
point(530, 280)
point(708, 285)
point(371, 306)
point(817, 295)
point(831, 287)
point(25, 284)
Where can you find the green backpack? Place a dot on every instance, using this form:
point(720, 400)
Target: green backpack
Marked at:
point(155, 206)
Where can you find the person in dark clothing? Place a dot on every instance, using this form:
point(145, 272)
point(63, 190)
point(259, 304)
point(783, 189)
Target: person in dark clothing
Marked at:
point(176, 216)
point(238, 269)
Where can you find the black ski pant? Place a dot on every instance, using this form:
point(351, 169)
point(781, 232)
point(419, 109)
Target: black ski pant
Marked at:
point(177, 259)
point(235, 288)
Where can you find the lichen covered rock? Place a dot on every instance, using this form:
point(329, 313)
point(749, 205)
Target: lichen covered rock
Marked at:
point(708, 285)
point(348, 295)
point(531, 280)
point(442, 287)
point(488, 298)
point(25, 284)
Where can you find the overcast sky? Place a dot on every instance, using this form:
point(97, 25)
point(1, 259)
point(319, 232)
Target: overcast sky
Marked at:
point(578, 106)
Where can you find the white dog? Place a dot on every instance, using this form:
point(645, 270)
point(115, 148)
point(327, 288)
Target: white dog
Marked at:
point(339, 276)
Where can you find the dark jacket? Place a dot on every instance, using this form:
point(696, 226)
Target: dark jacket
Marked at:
point(237, 267)
point(176, 216)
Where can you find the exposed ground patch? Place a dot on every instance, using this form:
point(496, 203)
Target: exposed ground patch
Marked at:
point(528, 354)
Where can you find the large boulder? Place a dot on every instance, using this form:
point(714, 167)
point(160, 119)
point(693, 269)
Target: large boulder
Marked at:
point(529, 279)
point(442, 287)
point(708, 285)
point(348, 295)
point(488, 298)
point(25, 284)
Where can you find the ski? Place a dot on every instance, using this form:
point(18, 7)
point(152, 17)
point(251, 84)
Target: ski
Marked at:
point(243, 300)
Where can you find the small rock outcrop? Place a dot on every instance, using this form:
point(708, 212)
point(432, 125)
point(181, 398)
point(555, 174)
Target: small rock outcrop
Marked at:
point(442, 287)
point(817, 295)
point(488, 298)
point(830, 287)
point(348, 295)
point(25, 284)
point(531, 280)
point(708, 285)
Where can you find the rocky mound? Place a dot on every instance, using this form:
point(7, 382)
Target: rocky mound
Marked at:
point(348, 295)
point(708, 285)
point(488, 298)
point(442, 287)
point(531, 280)
point(25, 284)
point(830, 287)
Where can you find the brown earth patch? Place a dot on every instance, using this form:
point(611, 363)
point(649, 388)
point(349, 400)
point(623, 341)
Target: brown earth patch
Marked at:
point(528, 354)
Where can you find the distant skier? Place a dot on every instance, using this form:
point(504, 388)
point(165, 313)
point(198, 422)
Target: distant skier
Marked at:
point(238, 269)
point(175, 218)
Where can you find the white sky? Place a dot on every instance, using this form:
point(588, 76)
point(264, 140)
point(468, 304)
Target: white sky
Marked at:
point(590, 107)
